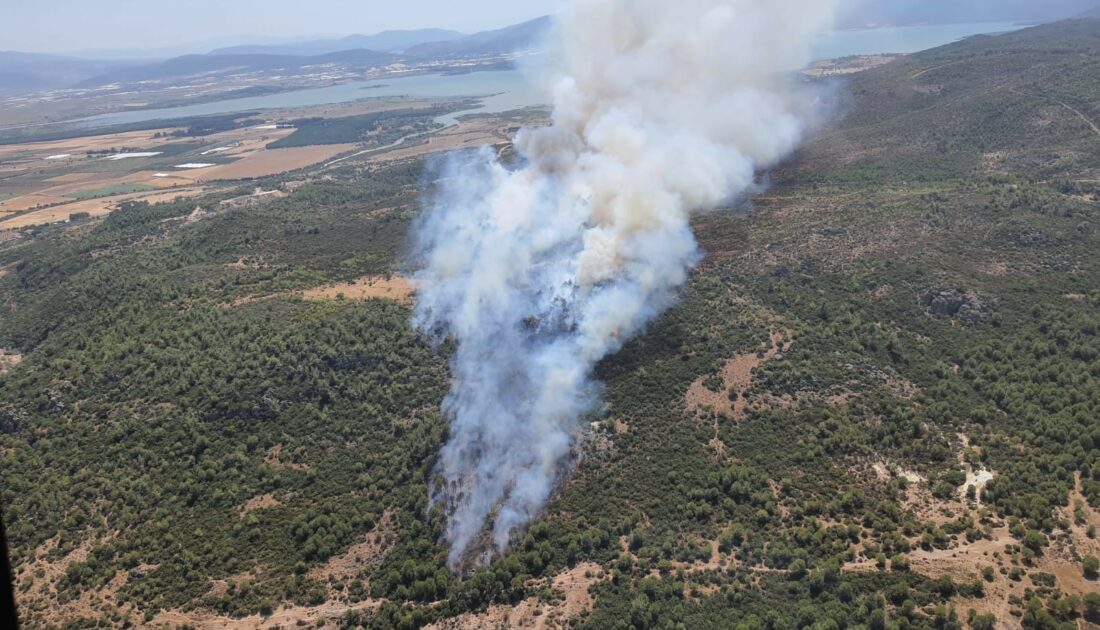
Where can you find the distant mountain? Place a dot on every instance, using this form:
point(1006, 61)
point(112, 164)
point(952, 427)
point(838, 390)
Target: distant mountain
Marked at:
point(190, 65)
point(1094, 13)
point(160, 53)
point(29, 71)
point(386, 41)
point(422, 43)
point(504, 40)
point(33, 71)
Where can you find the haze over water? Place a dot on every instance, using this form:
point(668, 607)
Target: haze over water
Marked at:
point(508, 89)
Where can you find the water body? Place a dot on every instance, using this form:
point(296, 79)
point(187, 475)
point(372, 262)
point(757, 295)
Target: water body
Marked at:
point(508, 89)
point(903, 39)
point(500, 91)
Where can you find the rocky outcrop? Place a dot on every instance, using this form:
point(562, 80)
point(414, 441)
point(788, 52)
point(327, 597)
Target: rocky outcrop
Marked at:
point(967, 307)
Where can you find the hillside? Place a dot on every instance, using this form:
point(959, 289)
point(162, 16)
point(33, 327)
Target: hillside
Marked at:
point(425, 43)
point(862, 12)
point(982, 106)
point(874, 405)
point(505, 40)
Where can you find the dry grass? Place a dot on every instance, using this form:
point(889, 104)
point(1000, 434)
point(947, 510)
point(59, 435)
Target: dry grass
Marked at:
point(8, 358)
point(326, 615)
point(76, 178)
point(262, 163)
point(358, 561)
point(262, 502)
point(94, 207)
point(76, 147)
point(465, 135)
point(574, 586)
point(848, 65)
point(64, 188)
point(55, 186)
point(396, 288)
point(36, 585)
point(27, 202)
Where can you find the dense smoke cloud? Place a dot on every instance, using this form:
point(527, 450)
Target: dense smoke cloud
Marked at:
point(660, 109)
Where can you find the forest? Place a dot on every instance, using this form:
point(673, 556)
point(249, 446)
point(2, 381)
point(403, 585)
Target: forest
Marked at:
point(188, 440)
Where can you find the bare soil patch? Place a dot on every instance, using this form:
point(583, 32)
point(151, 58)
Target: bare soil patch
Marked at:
point(94, 207)
point(848, 65)
point(276, 459)
point(396, 288)
point(326, 615)
point(221, 587)
point(266, 162)
point(72, 186)
point(963, 560)
point(27, 202)
point(533, 613)
point(76, 178)
point(8, 358)
point(262, 502)
point(736, 377)
point(359, 560)
point(36, 588)
point(467, 134)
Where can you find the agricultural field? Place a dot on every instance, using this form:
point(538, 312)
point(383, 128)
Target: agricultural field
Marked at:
point(47, 181)
point(874, 405)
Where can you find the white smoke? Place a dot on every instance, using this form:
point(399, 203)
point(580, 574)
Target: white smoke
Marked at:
point(660, 109)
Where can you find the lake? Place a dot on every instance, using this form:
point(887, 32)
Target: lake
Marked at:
point(502, 90)
point(508, 89)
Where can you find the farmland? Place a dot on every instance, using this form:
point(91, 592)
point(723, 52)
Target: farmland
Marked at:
point(45, 182)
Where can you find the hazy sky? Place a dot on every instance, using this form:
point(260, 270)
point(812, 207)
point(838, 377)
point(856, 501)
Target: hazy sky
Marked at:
point(178, 26)
point(71, 25)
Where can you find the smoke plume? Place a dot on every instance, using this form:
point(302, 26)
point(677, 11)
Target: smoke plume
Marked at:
point(660, 109)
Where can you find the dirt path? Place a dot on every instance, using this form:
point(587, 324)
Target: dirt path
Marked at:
point(921, 73)
point(1084, 118)
point(1073, 110)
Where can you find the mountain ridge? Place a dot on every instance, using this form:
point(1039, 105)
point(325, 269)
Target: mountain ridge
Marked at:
point(502, 40)
point(384, 41)
point(189, 65)
point(34, 71)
